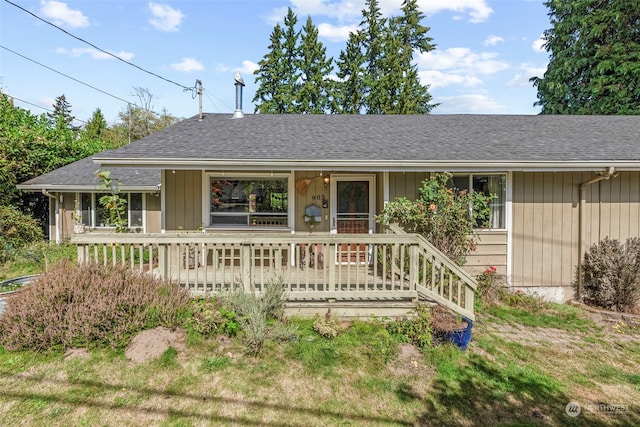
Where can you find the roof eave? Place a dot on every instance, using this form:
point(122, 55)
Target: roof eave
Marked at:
point(73, 188)
point(370, 165)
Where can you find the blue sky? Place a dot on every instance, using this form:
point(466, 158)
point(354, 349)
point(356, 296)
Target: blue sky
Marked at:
point(485, 51)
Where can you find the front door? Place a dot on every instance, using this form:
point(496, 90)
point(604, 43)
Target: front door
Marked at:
point(352, 212)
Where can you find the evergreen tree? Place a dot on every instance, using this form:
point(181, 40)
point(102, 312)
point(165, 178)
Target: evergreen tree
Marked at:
point(96, 127)
point(404, 94)
point(373, 34)
point(315, 90)
point(268, 77)
point(594, 65)
point(61, 116)
point(349, 96)
point(277, 76)
point(377, 64)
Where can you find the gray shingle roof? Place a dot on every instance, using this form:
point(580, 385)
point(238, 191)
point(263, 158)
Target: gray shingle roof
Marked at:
point(80, 176)
point(386, 139)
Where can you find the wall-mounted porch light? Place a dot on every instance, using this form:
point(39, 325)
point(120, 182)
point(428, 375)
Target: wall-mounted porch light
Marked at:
point(326, 181)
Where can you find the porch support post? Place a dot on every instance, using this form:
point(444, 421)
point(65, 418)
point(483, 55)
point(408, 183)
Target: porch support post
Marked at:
point(245, 256)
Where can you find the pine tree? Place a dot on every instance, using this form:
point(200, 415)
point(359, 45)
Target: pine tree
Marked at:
point(96, 126)
point(314, 94)
point(594, 65)
point(61, 116)
point(373, 34)
point(268, 77)
point(401, 84)
point(277, 76)
point(349, 96)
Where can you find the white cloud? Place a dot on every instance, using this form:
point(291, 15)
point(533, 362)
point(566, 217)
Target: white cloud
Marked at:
point(436, 79)
point(537, 45)
point(93, 53)
point(521, 79)
point(461, 59)
point(247, 68)
point(60, 14)
point(466, 104)
point(187, 65)
point(493, 40)
point(350, 11)
point(164, 17)
point(336, 33)
point(478, 10)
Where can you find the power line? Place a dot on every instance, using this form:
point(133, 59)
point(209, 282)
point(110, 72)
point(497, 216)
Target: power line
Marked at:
point(40, 106)
point(67, 76)
point(100, 49)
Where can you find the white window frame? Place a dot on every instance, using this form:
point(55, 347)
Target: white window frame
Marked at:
point(206, 197)
point(504, 204)
point(93, 210)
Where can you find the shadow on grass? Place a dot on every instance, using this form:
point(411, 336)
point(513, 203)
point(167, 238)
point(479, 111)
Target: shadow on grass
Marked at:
point(479, 393)
point(327, 417)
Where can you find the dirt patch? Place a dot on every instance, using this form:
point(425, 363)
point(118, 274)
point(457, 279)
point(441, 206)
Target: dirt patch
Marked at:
point(620, 327)
point(77, 353)
point(152, 343)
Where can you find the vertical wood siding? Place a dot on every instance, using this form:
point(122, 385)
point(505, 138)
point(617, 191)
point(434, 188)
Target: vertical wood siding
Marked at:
point(183, 201)
point(153, 214)
point(546, 222)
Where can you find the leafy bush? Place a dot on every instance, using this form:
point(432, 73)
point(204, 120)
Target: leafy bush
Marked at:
point(89, 305)
point(611, 273)
point(210, 317)
point(416, 330)
point(490, 286)
point(16, 231)
point(445, 216)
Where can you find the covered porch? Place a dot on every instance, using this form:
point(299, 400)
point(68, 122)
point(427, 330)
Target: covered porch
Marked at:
point(356, 275)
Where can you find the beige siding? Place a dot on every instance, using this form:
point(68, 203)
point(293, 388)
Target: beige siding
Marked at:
point(153, 214)
point(405, 184)
point(183, 203)
point(313, 196)
point(546, 215)
point(491, 250)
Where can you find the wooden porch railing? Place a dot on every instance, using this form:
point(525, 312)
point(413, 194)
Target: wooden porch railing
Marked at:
point(312, 267)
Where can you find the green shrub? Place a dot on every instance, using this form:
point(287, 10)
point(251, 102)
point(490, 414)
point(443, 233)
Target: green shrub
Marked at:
point(16, 231)
point(210, 317)
point(491, 287)
point(416, 330)
point(90, 305)
point(611, 273)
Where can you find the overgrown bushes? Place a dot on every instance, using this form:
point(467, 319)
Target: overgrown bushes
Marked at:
point(89, 305)
point(16, 231)
point(611, 274)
